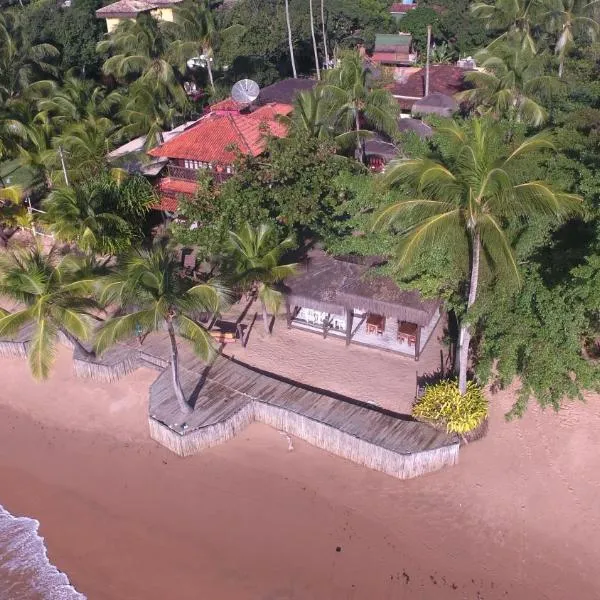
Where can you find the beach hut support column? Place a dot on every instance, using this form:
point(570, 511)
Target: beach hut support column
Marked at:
point(288, 314)
point(418, 343)
point(349, 320)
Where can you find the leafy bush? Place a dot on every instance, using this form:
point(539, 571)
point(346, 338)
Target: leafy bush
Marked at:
point(443, 404)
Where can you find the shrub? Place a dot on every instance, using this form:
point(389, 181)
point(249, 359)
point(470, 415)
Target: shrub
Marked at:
point(443, 404)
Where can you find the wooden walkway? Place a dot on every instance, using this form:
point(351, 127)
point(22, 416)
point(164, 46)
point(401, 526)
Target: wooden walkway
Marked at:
point(229, 395)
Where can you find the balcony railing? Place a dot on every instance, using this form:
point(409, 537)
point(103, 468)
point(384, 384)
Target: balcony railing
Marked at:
point(186, 174)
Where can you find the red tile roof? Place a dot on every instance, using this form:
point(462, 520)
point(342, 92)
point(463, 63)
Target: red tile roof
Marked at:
point(213, 138)
point(398, 7)
point(228, 105)
point(168, 185)
point(443, 79)
point(170, 189)
point(167, 204)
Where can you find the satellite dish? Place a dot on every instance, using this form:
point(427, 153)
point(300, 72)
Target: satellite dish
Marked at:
point(245, 92)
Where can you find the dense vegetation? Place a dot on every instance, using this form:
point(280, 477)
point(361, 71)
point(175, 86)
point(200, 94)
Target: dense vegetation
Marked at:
point(505, 227)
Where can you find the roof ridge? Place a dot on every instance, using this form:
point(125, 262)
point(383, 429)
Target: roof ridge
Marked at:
point(239, 131)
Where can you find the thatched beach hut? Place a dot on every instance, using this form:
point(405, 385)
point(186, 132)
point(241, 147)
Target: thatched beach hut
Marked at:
point(346, 299)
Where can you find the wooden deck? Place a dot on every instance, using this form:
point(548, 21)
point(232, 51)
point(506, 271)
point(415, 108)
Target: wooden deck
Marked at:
point(229, 395)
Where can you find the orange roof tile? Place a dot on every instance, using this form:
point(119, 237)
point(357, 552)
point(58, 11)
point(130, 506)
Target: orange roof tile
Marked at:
point(213, 138)
point(167, 204)
point(167, 185)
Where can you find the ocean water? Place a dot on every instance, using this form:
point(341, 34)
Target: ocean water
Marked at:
point(25, 572)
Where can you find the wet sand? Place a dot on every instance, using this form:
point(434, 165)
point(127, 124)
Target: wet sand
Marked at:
point(518, 518)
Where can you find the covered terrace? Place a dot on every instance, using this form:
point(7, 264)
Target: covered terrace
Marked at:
point(340, 298)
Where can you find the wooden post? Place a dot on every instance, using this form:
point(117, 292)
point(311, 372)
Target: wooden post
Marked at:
point(288, 315)
point(418, 343)
point(325, 323)
point(349, 321)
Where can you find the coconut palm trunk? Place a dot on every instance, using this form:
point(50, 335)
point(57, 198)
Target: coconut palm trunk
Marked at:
point(324, 33)
point(290, 42)
point(314, 39)
point(561, 65)
point(183, 404)
point(465, 330)
point(265, 314)
point(209, 70)
point(359, 143)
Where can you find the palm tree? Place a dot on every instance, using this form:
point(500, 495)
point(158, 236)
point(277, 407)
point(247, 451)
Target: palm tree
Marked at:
point(351, 100)
point(53, 296)
point(75, 100)
point(13, 133)
point(86, 215)
point(290, 40)
point(13, 213)
point(506, 85)
point(197, 34)
point(466, 199)
point(255, 258)
point(570, 18)
point(308, 116)
point(143, 112)
point(153, 296)
point(85, 145)
point(20, 62)
point(516, 19)
point(314, 39)
point(139, 52)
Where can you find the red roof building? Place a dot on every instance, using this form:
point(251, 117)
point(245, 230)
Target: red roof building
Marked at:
point(409, 84)
point(400, 9)
point(213, 143)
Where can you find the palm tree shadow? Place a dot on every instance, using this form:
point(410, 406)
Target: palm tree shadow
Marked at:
point(193, 399)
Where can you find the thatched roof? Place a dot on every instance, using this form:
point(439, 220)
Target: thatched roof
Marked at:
point(331, 285)
point(415, 125)
point(436, 104)
point(379, 146)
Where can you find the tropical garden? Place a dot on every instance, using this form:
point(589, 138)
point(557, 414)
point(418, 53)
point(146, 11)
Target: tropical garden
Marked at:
point(497, 213)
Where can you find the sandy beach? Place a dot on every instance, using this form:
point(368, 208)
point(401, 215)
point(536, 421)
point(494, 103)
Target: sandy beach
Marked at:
point(251, 519)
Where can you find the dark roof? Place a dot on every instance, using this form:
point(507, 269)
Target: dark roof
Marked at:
point(332, 285)
point(285, 91)
point(436, 103)
point(131, 8)
point(378, 146)
point(443, 79)
point(416, 126)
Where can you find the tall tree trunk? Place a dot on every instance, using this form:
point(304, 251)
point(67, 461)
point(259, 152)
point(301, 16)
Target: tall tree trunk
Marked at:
point(290, 42)
point(265, 317)
point(465, 330)
point(314, 39)
point(359, 143)
point(561, 65)
point(208, 55)
point(324, 34)
point(183, 405)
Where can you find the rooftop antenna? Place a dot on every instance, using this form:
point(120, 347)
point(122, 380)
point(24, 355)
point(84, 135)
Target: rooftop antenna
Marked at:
point(244, 92)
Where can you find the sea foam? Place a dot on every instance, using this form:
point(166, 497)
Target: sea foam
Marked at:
point(25, 571)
